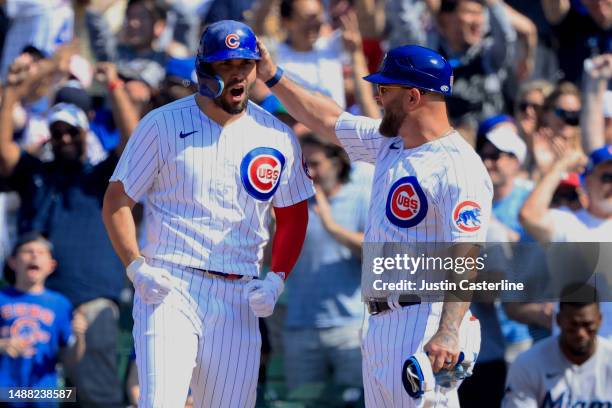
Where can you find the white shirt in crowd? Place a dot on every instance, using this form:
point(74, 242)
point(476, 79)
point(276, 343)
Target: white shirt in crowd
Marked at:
point(319, 70)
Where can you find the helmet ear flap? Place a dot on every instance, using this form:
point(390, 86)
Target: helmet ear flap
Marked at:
point(209, 83)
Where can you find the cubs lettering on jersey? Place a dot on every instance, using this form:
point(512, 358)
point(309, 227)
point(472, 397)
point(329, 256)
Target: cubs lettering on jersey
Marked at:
point(260, 171)
point(406, 202)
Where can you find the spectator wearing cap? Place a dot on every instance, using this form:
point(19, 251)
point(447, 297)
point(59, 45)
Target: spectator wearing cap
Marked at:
point(63, 199)
point(37, 325)
point(503, 152)
point(180, 80)
point(590, 224)
point(142, 79)
point(37, 135)
point(480, 61)
point(582, 30)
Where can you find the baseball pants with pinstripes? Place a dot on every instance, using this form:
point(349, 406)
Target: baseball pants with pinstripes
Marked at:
point(203, 336)
point(392, 337)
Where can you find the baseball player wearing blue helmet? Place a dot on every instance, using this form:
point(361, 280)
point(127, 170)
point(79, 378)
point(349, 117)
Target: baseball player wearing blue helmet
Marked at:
point(415, 66)
point(221, 41)
point(211, 167)
point(414, 352)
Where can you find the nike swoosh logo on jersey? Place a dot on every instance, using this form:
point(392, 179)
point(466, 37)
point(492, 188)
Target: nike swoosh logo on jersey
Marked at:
point(394, 146)
point(184, 135)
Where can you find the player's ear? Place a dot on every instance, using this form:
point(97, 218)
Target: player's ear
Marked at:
point(412, 98)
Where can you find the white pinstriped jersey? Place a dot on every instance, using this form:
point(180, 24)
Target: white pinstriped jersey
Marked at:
point(209, 188)
point(437, 192)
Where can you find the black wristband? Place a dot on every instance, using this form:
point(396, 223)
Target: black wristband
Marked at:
point(274, 80)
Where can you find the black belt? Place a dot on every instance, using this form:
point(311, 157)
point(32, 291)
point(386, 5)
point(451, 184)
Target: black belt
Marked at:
point(228, 276)
point(375, 307)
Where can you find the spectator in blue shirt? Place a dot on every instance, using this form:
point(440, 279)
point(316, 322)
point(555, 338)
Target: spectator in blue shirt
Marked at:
point(324, 309)
point(62, 199)
point(36, 323)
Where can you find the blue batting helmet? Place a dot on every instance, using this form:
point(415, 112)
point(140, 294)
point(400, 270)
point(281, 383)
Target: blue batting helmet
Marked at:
point(223, 40)
point(227, 39)
point(415, 66)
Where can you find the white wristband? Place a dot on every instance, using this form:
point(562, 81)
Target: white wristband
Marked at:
point(134, 266)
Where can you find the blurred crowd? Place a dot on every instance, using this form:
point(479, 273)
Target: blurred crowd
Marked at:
point(530, 92)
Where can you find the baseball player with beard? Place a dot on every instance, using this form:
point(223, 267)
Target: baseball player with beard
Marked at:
point(431, 187)
point(210, 166)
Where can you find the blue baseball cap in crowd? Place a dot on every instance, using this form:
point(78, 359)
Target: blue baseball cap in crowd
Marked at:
point(489, 123)
point(183, 68)
point(597, 157)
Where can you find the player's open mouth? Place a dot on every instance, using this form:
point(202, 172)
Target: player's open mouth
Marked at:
point(33, 267)
point(237, 92)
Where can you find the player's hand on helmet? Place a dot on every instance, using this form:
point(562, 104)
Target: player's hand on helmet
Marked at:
point(262, 294)
point(151, 283)
point(443, 349)
point(266, 68)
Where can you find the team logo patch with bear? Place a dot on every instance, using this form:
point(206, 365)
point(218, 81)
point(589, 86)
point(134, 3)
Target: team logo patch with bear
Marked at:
point(466, 216)
point(260, 171)
point(406, 203)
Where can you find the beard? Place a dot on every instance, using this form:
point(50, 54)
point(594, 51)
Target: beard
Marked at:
point(232, 109)
point(391, 123)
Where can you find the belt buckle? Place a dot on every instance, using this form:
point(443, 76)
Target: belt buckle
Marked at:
point(373, 308)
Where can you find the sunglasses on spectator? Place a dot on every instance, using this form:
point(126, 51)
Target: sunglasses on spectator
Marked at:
point(493, 155)
point(523, 105)
point(606, 178)
point(382, 89)
point(571, 118)
point(57, 134)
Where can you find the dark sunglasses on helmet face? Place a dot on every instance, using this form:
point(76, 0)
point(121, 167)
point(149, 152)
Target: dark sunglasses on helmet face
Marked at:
point(59, 133)
point(524, 105)
point(571, 118)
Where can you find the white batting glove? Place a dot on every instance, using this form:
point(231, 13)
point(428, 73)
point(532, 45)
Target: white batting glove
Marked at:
point(152, 284)
point(263, 294)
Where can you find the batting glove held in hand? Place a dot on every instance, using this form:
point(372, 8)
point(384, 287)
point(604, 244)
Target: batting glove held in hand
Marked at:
point(151, 283)
point(263, 294)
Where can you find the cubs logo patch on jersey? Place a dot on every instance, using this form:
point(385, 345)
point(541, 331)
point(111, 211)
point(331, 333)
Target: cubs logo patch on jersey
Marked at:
point(406, 203)
point(466, 216)
point(260, 171)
